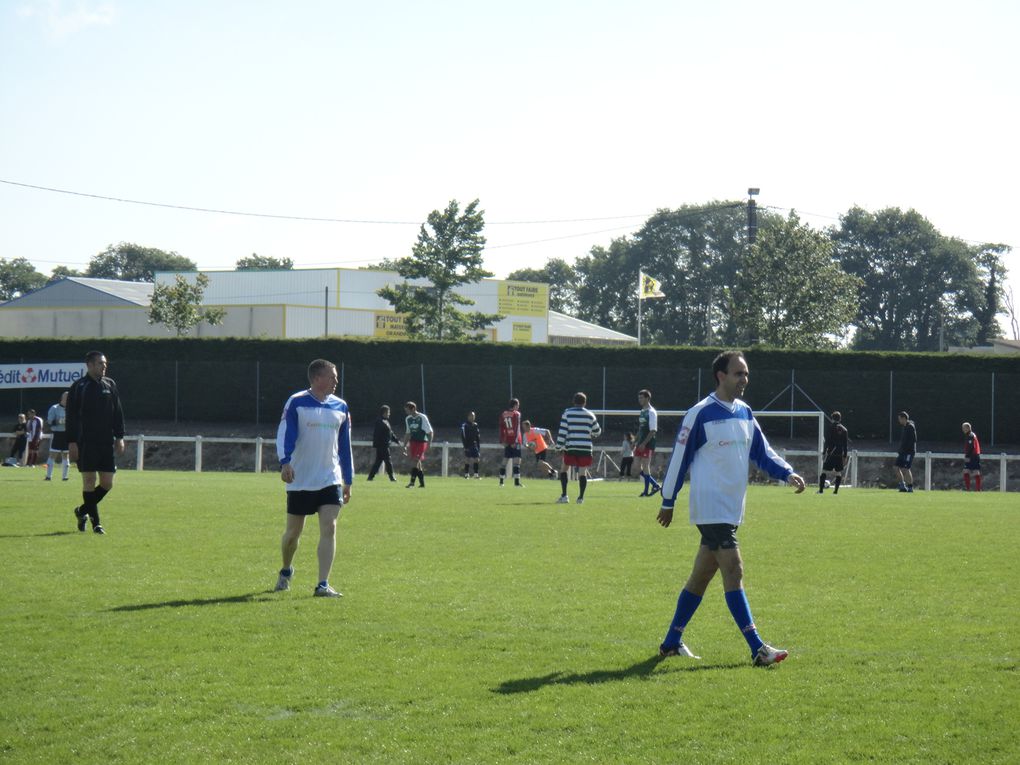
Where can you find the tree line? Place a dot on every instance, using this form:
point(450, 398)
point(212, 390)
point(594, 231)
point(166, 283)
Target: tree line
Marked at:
point(885, 280)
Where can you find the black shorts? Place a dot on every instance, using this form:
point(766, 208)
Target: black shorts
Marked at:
point(96, 457)
point(974, 463)
point(511, 452)
point(540, 456)
point(717, 536)
point(59, 441)
point(833, 462)
point(904, 461)
point(472, 452)
point(309, 502)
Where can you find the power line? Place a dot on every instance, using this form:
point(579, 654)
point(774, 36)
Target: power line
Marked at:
point(306, 218)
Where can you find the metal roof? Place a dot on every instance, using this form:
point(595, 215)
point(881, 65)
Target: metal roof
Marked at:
point(83, 292)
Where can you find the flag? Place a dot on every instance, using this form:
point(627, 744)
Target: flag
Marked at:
point(649, 287)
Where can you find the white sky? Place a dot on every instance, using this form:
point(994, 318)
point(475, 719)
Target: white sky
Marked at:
point(544, 110)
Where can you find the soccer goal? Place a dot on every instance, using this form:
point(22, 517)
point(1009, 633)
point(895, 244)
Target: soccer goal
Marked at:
point(624, 420)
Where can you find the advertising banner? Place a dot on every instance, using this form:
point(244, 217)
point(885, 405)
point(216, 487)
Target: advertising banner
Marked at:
point(523, 299)
point(41, 375)
point(389, 324)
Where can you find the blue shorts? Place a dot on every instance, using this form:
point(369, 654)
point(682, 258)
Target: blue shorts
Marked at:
point(511, 452)
point(472, 452)
point(309, 502)
point(904, 461)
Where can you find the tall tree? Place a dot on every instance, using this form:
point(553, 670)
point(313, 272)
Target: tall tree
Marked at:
point(62, 272)
point(134, 263)
point(18, 276)
point(258, 262)
point(179, 307)
point(447, 255)
point(561, 278)
point(790, 293)
point(991, 275)
point(918, 285)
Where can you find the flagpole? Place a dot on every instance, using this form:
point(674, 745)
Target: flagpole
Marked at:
point(639, 308)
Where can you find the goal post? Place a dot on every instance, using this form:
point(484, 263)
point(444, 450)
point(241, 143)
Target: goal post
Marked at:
point(666, 437)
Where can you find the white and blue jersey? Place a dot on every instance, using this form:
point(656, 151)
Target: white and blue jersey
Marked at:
point(314, 437)
point(717, 441)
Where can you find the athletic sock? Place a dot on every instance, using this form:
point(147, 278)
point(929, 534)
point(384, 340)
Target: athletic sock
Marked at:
point(821, 483)
point(966, 481)
point(323, 584)
point(476, 469)
point(563, 482)
point(836, 483)
point(582, 483)
point(421, 477)
point(502, 475)
point(686, 605)
point(517, 474)
point(49, 467)
point(99, 493)
point(66, 465)
point(737, 601)
point(287, 571)
point(653, 482)
point(977, 482)
point(644, 476)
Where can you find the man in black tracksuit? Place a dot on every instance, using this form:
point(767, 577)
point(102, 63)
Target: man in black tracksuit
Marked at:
point(95, 430)
point(382, 437)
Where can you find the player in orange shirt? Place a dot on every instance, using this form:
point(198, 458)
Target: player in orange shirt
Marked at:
point(535, 439)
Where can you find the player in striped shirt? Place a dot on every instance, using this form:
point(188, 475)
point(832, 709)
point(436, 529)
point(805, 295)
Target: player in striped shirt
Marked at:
point(717, 440)
point(313, 443)
point(578, 426)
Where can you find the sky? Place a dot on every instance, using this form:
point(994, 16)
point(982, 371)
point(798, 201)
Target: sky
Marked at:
point(572, 122)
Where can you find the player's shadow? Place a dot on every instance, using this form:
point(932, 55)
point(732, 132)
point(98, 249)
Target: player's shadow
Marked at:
point(642, 669)
point(249, 597)
point(47, 534)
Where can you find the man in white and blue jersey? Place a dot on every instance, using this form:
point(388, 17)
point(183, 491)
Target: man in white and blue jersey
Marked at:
point(313, 443)
point(717, 440)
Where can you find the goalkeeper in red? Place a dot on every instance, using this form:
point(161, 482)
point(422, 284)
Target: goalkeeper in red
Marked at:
point(717, 441)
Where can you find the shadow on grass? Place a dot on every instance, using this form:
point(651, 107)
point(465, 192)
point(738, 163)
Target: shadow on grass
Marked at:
point(47, 534)
point(640, 670)
point(250, 597)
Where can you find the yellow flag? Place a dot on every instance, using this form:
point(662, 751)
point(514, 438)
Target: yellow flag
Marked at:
point(649, 287)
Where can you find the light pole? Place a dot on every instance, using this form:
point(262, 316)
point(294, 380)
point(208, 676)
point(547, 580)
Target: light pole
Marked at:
point(752, 214)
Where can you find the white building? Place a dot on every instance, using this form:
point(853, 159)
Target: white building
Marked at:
point(286, 304)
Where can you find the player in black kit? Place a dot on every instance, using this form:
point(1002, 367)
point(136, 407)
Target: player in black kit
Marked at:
point(471, 438)
point(382, 437)
point(834, 455)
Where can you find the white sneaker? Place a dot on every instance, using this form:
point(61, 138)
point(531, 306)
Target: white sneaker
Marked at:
point(562, 501)
point(677, 650)
point(580, 500)
point(326, 592)
point(767, 656)
point(283, 583)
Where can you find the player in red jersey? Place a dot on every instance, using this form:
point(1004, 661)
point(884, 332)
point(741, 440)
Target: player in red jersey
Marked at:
point(971, 458)
point(511, 438)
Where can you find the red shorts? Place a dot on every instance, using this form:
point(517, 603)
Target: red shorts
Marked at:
point(573, 460)
point(416, 450)
point(642, 452)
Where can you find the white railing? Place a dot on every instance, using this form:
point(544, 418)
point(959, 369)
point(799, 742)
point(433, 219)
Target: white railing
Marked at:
point(928, 458)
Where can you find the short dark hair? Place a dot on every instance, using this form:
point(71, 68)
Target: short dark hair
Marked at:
point(721, 363)
point(92, 356)
point(580, 399)
point(836, 417)
point(645, 392)
point(319, 366)
point(514, 402)
point(411, 405)
point(904, 415)
point(384, 409)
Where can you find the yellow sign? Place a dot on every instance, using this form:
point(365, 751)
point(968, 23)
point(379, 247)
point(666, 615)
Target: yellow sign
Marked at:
point(523, 299)
point(389, 324)
point(521, 332)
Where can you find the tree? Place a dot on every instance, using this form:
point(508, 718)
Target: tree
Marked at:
point(62, 272)
point(561, 278)
point(179, 307)
point(991, 273)
point(790, 293)
point(134, 263)
point(448, 254)
point(919, 287)
point(264, 263)
point(18, 276)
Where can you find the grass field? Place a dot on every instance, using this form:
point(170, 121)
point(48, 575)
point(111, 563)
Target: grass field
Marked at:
point(488, 625)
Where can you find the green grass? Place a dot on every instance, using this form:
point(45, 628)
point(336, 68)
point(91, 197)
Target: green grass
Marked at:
point(488, 625)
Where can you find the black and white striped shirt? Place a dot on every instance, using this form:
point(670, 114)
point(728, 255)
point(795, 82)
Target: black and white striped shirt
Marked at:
point(578, 426)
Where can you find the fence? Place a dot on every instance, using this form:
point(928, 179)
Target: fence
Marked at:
point(1000, 461)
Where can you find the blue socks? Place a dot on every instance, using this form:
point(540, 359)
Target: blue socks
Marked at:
point(737, 601)
point(686, 605)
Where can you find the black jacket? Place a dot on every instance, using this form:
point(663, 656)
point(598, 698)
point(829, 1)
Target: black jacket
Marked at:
point(383, 435)
point(94, 412)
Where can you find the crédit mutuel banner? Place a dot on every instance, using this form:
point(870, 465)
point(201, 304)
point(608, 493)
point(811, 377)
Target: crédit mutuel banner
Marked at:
point(41, 375)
